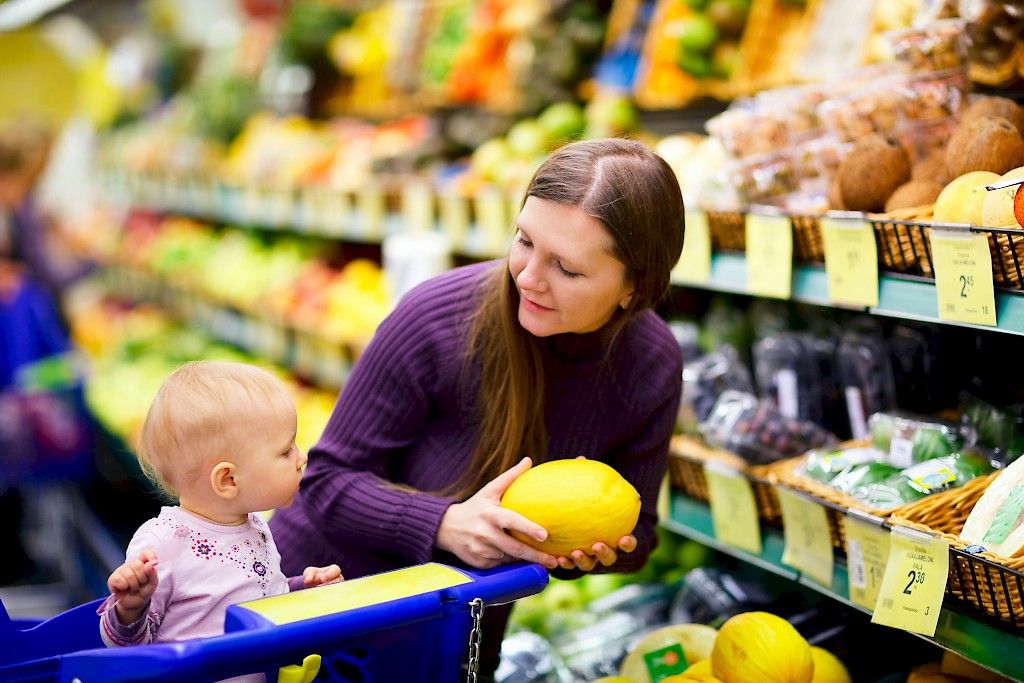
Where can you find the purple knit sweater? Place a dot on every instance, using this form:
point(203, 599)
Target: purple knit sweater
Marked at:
point(406, 416)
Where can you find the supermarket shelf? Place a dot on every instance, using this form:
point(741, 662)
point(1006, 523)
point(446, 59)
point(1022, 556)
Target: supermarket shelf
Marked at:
point(985, 645)
point(324, 362)
point(898, 297)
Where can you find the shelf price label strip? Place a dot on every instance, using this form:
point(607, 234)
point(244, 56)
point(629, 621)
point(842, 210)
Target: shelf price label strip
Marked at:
point(851, 261)
point(733, 509)
point(694, 265)
point(769, 248)
point(808, 542)
point(867, 552)
point(963, 277)
point(910, 597)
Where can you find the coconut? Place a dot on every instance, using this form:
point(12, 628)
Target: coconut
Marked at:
point(871, 172)
point(932, 167)
point(985, 144)
point(995, 107)
point(913, 193)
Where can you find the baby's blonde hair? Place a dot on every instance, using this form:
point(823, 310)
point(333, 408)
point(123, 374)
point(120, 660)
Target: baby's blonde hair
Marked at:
point(202, 414)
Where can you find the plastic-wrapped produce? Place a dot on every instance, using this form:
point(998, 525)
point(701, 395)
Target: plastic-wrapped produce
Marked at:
point(704, 380)
point(923, 384)
point(866, 379)
point(756, 431)
point(710, 596)
point(788, 374)
point(824, 465)
point(923, 479)
point(687, 334)
point(528, 658)
point(907, 439)
point(1000, 431)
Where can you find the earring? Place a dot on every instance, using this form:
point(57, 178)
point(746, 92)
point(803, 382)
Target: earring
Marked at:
point(624, 304)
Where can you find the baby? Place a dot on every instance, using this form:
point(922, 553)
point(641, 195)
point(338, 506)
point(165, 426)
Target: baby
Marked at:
point(220, 437)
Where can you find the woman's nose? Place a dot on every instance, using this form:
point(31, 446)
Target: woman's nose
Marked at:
point(530, 276)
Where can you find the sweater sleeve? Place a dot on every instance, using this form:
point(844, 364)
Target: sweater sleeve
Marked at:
point(146, 628)
point(643, 461)
point(380, 413)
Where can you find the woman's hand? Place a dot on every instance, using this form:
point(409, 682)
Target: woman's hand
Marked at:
point(318, 576)
point(477, 530)
point(599, 553)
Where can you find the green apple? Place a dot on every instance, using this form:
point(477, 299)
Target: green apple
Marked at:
point(562, 121)
point(697, 33)
point(527, 139)
point(694, 63)
point(562, 596)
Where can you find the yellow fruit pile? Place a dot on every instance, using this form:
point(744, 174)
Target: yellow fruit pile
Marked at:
point(752, 647)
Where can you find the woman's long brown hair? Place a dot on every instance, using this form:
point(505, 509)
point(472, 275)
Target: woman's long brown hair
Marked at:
point(636, 196)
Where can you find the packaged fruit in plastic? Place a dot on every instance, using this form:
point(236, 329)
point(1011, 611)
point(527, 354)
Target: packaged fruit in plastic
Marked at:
point(907, 439)
point(705, 380)
point(924, 479)
point(936, 46)
point(756, 431)
point(865, 377)
point(787, 373)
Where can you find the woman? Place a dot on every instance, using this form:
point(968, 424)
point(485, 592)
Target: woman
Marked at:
point(552, 353)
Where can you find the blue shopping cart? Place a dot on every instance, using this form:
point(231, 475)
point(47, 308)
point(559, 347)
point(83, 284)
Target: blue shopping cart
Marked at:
point(412, 624)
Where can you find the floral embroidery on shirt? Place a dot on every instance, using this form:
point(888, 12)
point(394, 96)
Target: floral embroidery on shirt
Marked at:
point(250, 556)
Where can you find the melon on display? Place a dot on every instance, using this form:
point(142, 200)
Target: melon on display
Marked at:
point(996, 520)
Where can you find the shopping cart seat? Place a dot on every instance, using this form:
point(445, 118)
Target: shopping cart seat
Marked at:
point(409, 624)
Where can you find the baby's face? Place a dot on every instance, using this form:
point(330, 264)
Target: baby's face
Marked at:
point(270, 466)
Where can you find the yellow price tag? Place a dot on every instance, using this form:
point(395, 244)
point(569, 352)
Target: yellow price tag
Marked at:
point(417, 207)
point(806, 534)
point(455, 218)
point(914, 582)
point(867, 552)
point(492, 221)
point(769, 256)
point(373, 210)
point(851, 261)
point(695, 262)
point(963, 277)
point(733, 509)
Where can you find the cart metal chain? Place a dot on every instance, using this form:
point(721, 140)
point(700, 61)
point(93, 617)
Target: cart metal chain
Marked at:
point(476, 611)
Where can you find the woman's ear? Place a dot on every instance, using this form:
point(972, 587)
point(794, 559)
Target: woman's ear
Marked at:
point(624, 303)
point(222, 479)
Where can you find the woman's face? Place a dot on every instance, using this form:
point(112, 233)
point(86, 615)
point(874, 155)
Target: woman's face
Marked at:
point(563, 267)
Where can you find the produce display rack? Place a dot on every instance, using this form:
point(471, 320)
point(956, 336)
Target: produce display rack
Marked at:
point(995, 648)
point(325, 362)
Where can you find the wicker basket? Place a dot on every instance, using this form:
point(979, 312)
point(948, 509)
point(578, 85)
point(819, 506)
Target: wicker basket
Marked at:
point(728, 230)
point(904, 240)
point(1007, 248)
point(836, 503)
point(687, 457)
point(808, 244)
point(987, 583)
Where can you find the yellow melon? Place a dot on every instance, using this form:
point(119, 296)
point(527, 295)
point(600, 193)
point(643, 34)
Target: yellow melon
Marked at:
point(828, 668)
point(762, 648)
point(695, 640)
point(997, 210)
point(961, 200)
point(579, 502)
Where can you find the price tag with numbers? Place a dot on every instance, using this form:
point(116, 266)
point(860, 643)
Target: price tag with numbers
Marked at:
point(963, 277)
point(806, 533)
point(769, 255)
point(695, 262)
point(915, 579)
point(851, 261)
point(867, 552)
point(733, 509)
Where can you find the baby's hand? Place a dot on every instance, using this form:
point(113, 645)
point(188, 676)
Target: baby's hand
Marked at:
point(132, 585)
point(318, 576)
